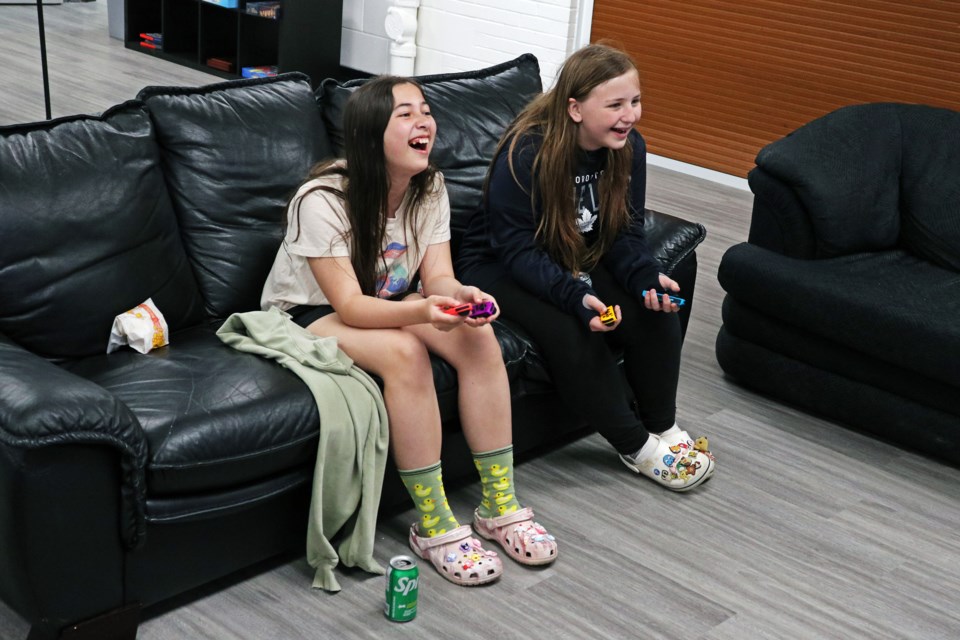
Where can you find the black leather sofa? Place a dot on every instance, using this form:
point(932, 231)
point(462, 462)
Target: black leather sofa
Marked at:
point(126, 479)
point(845, 300)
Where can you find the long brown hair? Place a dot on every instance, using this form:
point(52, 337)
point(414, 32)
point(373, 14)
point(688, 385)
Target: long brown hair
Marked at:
point(555, 162)
point(366, 183)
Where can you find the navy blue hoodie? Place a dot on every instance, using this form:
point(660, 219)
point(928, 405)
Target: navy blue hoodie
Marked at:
point(500, 239)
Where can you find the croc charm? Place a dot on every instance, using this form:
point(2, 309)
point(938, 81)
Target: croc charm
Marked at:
point(702, 445)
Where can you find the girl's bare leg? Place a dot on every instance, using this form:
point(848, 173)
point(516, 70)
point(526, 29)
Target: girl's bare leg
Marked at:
point(401, 360)
point(484, 396)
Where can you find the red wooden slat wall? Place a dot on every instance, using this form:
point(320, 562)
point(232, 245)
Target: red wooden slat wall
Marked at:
point(722, 78)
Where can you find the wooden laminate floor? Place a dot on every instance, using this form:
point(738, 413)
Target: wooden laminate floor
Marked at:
point(808, 530)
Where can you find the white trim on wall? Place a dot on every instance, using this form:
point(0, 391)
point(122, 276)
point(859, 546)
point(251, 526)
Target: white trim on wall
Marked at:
point(581, 33)
point(698, 172)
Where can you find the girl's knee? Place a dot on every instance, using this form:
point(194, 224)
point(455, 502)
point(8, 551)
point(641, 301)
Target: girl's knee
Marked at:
point(484, 336)
point(405, 356)
point(478, 356)
point(480, 345)
point(490, 349)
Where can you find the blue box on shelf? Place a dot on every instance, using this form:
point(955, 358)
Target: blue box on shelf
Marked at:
point(229, 4)
point(259, 72)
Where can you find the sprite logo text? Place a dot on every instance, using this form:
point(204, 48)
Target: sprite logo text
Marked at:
point(405, 585)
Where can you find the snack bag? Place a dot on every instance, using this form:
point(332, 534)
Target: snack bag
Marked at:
point(142, 328)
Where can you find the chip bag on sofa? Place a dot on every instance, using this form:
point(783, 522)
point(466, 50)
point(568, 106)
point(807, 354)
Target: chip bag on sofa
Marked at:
point(142, 328)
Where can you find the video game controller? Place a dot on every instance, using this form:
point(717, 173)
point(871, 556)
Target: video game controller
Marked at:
point(608, 317)
point(674, 299)
point(483, 309)
point(459, 310)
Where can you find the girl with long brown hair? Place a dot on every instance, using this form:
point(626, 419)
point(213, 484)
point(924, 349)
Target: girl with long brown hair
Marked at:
point(358, 232)
point(560, 238)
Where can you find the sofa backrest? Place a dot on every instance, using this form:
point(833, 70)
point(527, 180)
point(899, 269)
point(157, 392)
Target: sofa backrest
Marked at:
point(845, 169)
point(930, 184)
point(874, 176)
point(472, 110)
point(234, 153)
point(87, 231)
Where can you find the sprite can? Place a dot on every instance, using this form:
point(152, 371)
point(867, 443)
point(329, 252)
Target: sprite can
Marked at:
point(403, 578)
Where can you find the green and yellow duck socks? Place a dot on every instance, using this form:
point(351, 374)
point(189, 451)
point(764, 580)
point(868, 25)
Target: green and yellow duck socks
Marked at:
point(425, 486)
point(496, 482)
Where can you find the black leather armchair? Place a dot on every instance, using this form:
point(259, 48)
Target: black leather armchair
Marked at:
point(845, 299)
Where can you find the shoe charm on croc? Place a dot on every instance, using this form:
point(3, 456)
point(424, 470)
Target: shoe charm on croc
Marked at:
point(684, 467)
point(702, 445)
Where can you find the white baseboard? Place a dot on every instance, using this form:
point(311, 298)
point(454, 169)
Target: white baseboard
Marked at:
point(698, 172)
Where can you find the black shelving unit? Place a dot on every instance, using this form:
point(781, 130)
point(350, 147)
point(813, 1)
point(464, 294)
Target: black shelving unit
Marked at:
point(306, 36)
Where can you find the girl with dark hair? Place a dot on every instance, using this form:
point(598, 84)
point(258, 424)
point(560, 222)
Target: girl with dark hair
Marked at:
point(358, 232)
point(560, 238)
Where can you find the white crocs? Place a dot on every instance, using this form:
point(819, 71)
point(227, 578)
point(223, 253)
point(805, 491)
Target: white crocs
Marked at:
point(677, 463)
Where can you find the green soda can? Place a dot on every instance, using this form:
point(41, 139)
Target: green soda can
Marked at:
point(403, 578)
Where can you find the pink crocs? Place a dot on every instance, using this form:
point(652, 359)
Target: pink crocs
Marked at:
point(458, 556)
point(524, 540)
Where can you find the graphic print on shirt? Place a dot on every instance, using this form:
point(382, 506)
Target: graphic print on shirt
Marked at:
point(395, 279)
point(588, 206)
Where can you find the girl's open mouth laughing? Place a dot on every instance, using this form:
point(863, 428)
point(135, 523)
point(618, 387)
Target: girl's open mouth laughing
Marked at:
point(420, 144)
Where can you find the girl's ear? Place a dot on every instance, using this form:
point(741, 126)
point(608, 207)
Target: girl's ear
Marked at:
point(573, 109)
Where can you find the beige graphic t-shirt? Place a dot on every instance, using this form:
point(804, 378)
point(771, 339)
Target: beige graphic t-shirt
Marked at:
point(319, 232)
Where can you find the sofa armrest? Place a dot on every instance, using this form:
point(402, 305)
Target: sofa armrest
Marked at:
point(671, 239)
point(779, 221)
point(673, 242)
point(43, 405)
point(843, 170)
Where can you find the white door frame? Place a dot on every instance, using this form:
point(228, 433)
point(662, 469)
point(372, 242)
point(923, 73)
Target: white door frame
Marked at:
point(581, 34)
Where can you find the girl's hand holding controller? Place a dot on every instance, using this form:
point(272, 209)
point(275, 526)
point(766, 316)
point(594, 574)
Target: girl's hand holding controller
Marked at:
point(603, 321)
point(481, 307)
point(653, 299)
point(608, 317)
point(442, 314)
point(675, 302)
point(483, 310)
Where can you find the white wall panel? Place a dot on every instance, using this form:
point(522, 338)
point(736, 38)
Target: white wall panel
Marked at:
point(459, 35)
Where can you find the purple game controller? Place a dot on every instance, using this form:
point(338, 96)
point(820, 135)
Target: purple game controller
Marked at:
point(483, 309)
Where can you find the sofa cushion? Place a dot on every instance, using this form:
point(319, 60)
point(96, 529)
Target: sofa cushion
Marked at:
point(235, 152)
point(870, 302)
point(849, 181)
point(930, 184)
point(214, 417)
point(823, 353)
point(472, 109)
point(88, 232)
